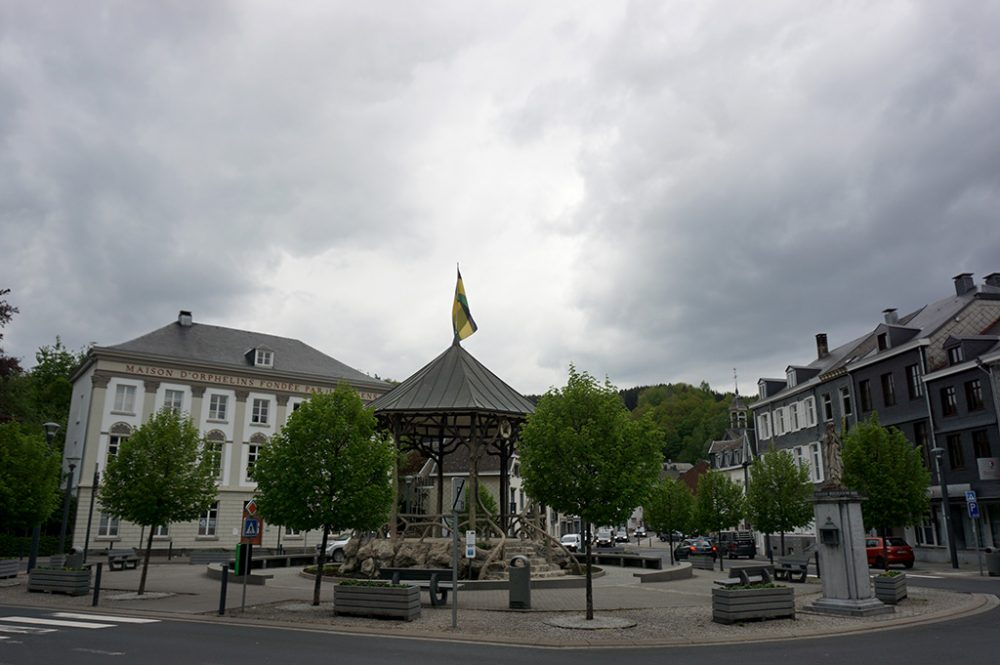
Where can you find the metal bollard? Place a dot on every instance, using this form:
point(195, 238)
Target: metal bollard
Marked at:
point(519, 572)
point(97, 585)
point(222, 593)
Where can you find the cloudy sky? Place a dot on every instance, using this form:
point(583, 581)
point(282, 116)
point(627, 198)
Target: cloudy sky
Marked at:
point(655, 191)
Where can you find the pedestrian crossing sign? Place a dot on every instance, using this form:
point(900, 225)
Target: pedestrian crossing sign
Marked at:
point(252, 528)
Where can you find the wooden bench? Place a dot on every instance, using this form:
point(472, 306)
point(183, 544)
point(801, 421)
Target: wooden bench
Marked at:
point(122, 559)
point(793, 566)
point(437, 581)
point(744, 575)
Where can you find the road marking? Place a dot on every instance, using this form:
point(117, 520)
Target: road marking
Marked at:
point(24, 630)
point(925, 577)
point(103, 617)
point(57, 622)
point(101, 653)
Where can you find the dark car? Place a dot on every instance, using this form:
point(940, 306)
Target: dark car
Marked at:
point(694, 546)
point(899, 552)
point(736, 544)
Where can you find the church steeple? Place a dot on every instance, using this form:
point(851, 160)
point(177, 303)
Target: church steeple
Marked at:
point(737, 410)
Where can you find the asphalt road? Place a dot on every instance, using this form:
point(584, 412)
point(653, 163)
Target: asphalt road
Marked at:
point(45, 636)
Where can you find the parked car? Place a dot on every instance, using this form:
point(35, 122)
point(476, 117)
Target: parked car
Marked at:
point(335, 548)
point(694, 546)
point(572, 542)
point(605, 538)
point(899, 552)
point(676, 536)
point(736, 544)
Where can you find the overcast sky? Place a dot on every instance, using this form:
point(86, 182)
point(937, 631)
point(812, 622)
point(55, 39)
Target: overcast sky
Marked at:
point(653, 191)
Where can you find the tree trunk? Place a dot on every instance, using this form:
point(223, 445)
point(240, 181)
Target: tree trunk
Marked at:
point(767, 544)
point(782, 543)
point(145, 562)
point(718, 548)
point(320, 563)
point(590, 586)
point(670, 542)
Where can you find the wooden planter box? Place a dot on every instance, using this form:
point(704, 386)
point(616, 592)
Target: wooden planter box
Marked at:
point(400, 602)
point(734, 605)
point(9, 567)
point(890, 590)
point(57, 580)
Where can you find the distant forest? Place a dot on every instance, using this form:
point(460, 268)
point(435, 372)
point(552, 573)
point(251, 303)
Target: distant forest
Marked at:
point(690, 417)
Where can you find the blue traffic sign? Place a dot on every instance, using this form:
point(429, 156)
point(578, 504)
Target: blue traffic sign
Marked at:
point(973, 510)
point(970, 496)
point(251, 527)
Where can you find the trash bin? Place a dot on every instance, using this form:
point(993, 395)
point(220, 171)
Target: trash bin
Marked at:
point(520, 583)
point(993, 562)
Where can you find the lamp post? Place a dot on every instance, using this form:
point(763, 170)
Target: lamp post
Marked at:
point(65, 517)
point(36, 532)
point(949, 527)
point(90, 513)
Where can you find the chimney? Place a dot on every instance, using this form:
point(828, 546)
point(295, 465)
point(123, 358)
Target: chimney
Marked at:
point(890, 316)
point(822, 350)
point(184, 318)
point(993, 279)
point(964, 283)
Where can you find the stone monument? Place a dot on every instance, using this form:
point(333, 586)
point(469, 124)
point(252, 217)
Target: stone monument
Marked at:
point(840, 541)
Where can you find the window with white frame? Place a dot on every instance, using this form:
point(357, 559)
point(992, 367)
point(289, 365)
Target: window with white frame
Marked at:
point(827, 407)
point(264, 358)
point(793, 417)
point(118, 435)
point(790, 378)
point(927, 531)
point(218, 407)
point(800, 459)
point(173, 400)
point(124, 399)
point(779, 421)
point(810, 408)
point(161, 531)
point(817, 462)
point(259, 412)
point(845, 402)
point(107, 526)
point(208, 521)
point(292, 533)
point(764, 426)
point(215, 442)
point(257, 442)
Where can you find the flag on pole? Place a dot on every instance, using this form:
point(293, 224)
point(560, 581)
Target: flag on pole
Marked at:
point(461, 318)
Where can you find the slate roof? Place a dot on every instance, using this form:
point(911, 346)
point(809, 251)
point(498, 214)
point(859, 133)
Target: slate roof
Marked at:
point(222, 347)
point(453, 382)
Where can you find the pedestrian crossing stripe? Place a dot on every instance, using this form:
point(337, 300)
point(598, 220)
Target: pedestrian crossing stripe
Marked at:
point(103, 617)
point(62, 623)
point(24, 630)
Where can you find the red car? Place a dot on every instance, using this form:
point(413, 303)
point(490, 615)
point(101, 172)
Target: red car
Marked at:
point(899, 552)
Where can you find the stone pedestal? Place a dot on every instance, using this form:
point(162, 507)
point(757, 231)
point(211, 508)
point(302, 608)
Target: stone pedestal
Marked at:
point(843, 565)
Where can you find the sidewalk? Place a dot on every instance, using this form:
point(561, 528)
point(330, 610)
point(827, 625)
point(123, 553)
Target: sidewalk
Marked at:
point(677, 612)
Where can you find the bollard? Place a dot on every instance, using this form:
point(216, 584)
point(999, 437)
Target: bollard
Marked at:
point(519, 572)
point(222, 593)
point(97, 585)
point(170, 550)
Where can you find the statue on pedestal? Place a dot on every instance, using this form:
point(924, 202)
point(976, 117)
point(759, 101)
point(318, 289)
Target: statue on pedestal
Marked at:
point(833, 460)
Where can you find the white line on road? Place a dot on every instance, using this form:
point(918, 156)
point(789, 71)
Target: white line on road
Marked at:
point(24, 630)
point(102, 617)
point(57, 622)
point(925, 577)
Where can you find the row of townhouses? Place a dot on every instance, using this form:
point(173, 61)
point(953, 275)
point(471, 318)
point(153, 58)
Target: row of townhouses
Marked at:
point(935, 375)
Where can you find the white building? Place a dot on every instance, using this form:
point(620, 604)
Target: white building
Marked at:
point(238, 388)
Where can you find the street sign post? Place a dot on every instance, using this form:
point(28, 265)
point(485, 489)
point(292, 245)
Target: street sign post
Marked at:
point(972, 505)
point(470, 544)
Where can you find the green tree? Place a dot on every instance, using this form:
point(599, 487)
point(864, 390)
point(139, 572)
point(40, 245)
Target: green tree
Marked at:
point(29, 479)
point(583, 454)
point(689, 417)
point(888, 471)
point(486, 509)
point(778, 498)
point(327, 469)
point(668, 508)
point(160, 475)
point(719, 504)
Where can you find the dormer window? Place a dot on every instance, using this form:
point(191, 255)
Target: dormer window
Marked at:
point(790, 376)
point(955, 355)
point(883, 341)
point(264, 358)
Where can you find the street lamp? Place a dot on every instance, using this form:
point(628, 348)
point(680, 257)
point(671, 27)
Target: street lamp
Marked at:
point(65, 517)
point(36, 531)
point(949, 527)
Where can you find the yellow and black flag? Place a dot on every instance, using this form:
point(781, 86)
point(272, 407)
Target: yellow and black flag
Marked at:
point(461, 318)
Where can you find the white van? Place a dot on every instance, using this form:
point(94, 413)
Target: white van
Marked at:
point(572, 542)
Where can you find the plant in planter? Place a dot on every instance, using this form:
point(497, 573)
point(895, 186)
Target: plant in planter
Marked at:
point(376, 598)
point(752, 601)
point(71, 581)
point(890, 586)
